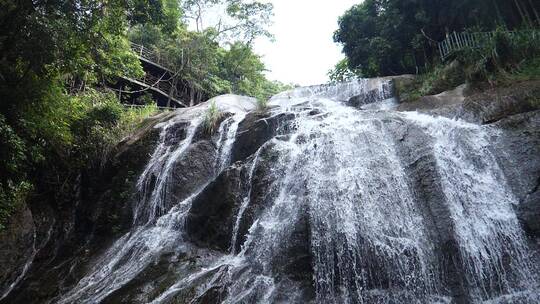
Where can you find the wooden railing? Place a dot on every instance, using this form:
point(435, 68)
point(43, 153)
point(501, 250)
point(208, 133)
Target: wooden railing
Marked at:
point(172, 74)
point(150, 55)
point(163, 83)
point(458, 41)
point(135, 106)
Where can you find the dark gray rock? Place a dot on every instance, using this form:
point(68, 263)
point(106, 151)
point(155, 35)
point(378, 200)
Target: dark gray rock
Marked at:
point(256, 129)
point(387, 91)
point(193, 170)
point(18, 244)
point(212, 215)
point(517, 146)
point(482, 107)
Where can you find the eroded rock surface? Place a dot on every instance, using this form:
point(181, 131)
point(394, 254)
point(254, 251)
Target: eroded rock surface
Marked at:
point(315, 201)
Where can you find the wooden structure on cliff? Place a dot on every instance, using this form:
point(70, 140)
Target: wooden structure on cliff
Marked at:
point(459, 41)
point(161, 80)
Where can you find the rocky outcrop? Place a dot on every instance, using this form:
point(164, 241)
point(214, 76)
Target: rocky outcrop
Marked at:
point(513, 111)
point(482, 106)
point(517, 145)
point(256, 129)
point(212, 215)
point(18, 247)
point(237, 199)
point(69, 230)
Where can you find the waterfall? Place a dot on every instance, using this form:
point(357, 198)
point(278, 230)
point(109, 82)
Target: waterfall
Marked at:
point(157, 220)
point(334, 213)
point(481, 207)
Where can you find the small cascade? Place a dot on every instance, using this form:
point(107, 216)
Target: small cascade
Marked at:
point(25, 268)
point(481, 205)
point(153, 197)
point(158, 220)
point(245, 202)
point(227, 133)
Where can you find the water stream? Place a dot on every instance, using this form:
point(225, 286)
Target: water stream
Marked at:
point(343, 221)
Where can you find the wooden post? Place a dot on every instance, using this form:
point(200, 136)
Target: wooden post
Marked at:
point(172, 91)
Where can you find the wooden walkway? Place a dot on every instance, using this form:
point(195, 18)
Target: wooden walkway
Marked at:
point(168, 83)
point(152, 57)
point(458, 41)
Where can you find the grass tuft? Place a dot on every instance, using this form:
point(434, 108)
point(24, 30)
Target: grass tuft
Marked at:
point(212, 117)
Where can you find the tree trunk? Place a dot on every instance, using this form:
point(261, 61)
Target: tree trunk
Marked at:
point(522, 13)
point(499, 15)
point(535, 12)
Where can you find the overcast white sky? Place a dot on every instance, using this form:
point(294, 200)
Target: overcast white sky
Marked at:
point(303, 50)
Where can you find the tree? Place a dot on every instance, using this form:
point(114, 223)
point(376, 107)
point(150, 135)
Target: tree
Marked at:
point(388, 37)
point(50, 51)
point(341, 72)
point(232, 20)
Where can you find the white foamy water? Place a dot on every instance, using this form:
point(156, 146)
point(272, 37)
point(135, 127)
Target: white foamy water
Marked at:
point(337, 205)
point(158, 220)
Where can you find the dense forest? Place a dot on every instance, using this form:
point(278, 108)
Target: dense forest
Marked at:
point(393, 37)
point(59, 58)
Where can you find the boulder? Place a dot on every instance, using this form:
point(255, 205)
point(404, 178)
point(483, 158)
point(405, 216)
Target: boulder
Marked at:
point(255, 130)
point(212, 215)
point(517, 146)
point(18, 245)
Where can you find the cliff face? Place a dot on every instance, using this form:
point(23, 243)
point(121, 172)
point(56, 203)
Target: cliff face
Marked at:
point(298, 203)
point(514, 112)
point(49, 241)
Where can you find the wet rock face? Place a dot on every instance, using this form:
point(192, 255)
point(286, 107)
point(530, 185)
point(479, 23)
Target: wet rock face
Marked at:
point(193, 170)
point(68, 233)
point(17, 247)
point(386, 91)
point(256, 129)
point(495, 104)
point(517, 145)
point(243, 195)
point(481, 107)
point(212, 215)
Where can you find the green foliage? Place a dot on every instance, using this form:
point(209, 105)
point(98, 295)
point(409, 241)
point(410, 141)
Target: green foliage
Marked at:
point(60, 135)
point(162, 13)
point(56, 118)
point(212, 117)
point(262, 105)
point(527, 70)
point(239, 19)
point(11, 197)
point(342, 73)
point(505, 56)
point(441, 78)
point(504, 59)
point(394, 37)
point(208, 66)
point(12, 150)
point(103, 123)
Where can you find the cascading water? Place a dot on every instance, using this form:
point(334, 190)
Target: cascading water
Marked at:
point(157, 219)
point(334, 215)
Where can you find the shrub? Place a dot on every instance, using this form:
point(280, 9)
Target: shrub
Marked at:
point(505, 53)
point(262, 104)
point(441, 79)
point(212, 117)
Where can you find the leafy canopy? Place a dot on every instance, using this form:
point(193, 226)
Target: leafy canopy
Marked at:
point(389, 37)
